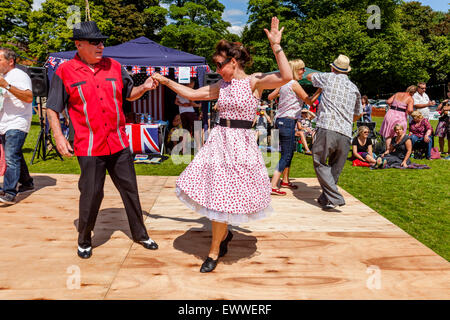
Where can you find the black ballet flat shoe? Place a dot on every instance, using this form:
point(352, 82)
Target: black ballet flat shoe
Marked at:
point(224, 244)
point(209, 265)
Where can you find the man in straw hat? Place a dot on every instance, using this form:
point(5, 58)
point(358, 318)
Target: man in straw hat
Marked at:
point(94, 88)
point(340, 106)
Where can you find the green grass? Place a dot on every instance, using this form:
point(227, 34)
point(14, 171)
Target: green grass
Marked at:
point(417, 201)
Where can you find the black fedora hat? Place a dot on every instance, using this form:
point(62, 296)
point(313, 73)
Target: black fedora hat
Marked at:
point(87, 30)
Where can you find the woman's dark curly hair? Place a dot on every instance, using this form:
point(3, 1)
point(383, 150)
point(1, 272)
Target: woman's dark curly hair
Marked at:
point(234, 50)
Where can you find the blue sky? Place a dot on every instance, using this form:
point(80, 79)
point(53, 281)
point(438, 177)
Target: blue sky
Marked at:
point(236, 11)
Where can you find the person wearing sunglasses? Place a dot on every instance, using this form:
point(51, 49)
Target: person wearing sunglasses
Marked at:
point(422, 101)
point(362, 148)
point(94, 88)
point(227, 181)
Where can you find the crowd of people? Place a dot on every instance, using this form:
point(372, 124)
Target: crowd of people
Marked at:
point(227, 181)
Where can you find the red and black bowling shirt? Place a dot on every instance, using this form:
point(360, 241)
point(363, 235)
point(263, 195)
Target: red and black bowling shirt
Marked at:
point(94, 102)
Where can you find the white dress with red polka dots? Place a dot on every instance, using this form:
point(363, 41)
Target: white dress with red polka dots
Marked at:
point(227, 181)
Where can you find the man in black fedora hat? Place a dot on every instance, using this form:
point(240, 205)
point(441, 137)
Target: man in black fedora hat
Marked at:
point(93, 88)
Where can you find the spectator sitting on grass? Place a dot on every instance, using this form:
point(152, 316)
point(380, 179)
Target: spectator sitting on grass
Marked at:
point(420, 130)
point(400, 148)
point(305, 129)
point(362, 148)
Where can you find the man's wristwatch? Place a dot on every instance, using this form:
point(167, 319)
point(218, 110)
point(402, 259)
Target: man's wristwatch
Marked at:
point(8, 87)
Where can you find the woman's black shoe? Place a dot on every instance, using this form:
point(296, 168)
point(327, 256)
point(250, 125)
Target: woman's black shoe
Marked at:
point(224, 244)
point(209, 265)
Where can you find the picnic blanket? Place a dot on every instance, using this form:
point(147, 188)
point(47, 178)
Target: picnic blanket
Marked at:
point(411, 166)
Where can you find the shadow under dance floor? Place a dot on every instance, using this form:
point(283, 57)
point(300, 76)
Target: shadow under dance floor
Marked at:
point(300, 252)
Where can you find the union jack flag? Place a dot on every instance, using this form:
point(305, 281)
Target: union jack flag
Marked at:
point(193, 72)
point(150, 70)
point(143, 138)
point(164, 71)
point(52, 61)
point(136, 70)
point(208, 69)
point(176, 72)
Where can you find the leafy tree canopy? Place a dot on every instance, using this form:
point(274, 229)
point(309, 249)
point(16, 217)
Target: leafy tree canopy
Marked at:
point(197, 26)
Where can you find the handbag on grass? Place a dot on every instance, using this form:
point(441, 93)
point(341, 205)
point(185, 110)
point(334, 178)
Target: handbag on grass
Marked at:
point(435, 154)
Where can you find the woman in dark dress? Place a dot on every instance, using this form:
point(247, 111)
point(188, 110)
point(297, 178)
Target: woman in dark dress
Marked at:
point(400, 149)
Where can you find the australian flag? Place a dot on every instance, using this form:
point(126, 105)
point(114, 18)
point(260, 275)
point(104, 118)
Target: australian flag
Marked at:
point(143, 138)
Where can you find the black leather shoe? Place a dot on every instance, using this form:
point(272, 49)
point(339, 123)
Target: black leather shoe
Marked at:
point(149, 244)
point(85, 253)
point(224, 244)
point(328, 206)
point(209, 265)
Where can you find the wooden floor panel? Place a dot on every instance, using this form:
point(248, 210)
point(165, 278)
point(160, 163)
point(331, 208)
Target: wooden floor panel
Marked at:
point(300, 252)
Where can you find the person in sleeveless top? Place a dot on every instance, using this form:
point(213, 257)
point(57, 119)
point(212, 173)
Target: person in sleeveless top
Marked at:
point(290, 105)
point(400, 149)
point(362, 148)
point(401, 105)
point(227, 181)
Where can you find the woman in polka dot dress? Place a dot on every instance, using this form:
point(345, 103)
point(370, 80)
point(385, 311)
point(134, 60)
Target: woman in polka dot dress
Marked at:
point(228, 181)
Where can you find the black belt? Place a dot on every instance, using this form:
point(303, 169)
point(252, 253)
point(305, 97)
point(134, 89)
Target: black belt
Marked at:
point(397, 108)
point(241, 124)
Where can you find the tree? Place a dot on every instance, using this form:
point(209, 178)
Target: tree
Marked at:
point(432, 28)
point(51, 27)
point(14, 24)
point(254, 37)
point(121, 20)
point(197, 26)
point(133, 18)
point(317, 31)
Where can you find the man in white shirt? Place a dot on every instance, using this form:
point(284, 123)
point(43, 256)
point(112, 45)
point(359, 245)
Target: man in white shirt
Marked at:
point(15, 121)
point(422, 101)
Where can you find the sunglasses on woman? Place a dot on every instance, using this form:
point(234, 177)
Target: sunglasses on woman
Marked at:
point(220, 65)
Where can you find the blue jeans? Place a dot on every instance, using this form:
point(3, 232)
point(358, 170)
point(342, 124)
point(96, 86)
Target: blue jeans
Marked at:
point(286, 127)
point(415, 139)
point(16, 168)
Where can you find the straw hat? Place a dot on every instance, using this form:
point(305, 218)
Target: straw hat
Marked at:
point(341, 64)
point(309, 112)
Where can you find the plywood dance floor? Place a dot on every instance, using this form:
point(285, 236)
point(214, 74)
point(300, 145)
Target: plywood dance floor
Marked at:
point(301, 252)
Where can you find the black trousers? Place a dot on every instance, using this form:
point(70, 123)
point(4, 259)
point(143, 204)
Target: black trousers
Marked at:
point(92, 180)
